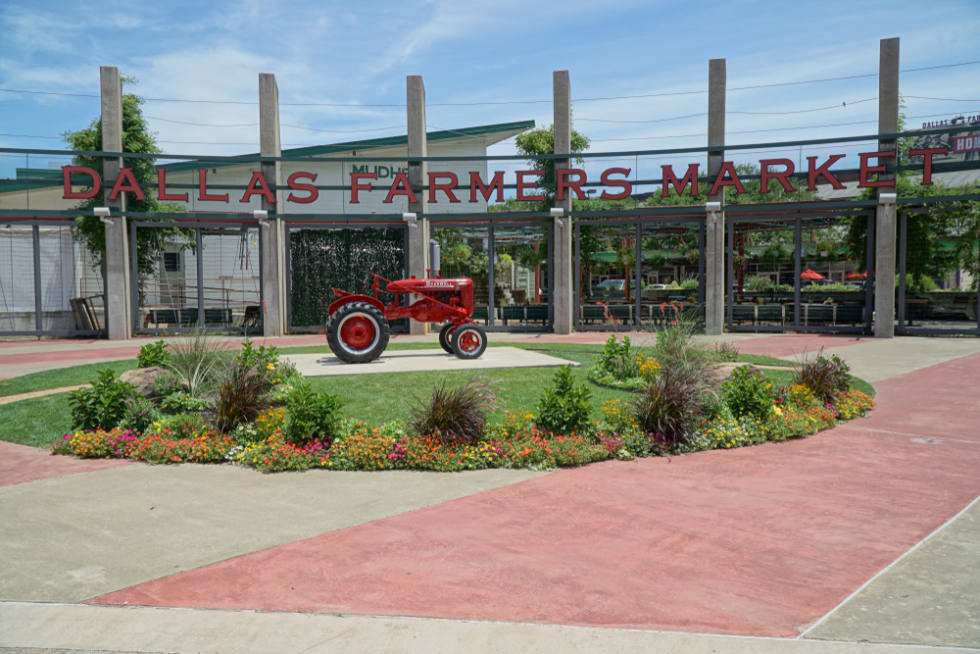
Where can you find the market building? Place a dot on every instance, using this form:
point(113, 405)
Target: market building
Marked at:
point(726, 240)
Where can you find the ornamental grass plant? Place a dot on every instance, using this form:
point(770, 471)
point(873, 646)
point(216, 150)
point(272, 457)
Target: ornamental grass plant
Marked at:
point(454, 412)
point(197, 362)
point(826, 377)
point(243, 393)
point(680, 397)
point(676, 402)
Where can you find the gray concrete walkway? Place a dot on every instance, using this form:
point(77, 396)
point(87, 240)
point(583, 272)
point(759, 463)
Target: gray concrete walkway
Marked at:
point(152, 630)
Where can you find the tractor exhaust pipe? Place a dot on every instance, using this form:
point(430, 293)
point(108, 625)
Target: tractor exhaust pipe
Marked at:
point(434, 257)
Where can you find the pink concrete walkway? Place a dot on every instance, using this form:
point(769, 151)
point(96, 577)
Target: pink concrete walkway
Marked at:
point(757, 541)
point(20, 464)
point(785, 345)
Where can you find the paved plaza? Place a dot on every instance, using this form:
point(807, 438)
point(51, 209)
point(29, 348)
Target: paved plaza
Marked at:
point(863, 538)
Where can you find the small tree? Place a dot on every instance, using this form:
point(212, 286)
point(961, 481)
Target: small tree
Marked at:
point(138, 139)
point(542, 141)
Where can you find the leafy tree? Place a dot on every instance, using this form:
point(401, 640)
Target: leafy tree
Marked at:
point(136, 138)
point(941, 237)
point(542, 141)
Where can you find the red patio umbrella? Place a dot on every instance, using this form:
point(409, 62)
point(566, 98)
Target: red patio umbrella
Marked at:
point(856, 275)
point(811, 275)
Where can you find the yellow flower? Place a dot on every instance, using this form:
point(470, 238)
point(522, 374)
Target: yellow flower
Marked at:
point(270, 366)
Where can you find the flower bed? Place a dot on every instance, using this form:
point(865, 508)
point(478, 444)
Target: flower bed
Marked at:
point(286, 426)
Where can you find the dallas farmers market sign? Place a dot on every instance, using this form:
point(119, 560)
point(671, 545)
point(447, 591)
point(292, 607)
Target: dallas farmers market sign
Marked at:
point(446, 187)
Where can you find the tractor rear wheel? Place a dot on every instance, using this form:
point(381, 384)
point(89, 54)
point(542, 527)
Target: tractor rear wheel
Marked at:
point(357, 332)
point(469, 341)
point(445, 337)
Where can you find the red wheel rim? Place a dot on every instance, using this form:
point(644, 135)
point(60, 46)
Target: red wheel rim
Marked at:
point(358, 332)
point(469, 341)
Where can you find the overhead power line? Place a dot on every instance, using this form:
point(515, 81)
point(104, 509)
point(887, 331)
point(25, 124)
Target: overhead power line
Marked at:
point(842, 105)
point(350, 105)
point(609, 140)
point(926, 97)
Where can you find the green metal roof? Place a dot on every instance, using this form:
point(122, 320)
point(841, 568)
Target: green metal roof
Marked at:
point(367, 144)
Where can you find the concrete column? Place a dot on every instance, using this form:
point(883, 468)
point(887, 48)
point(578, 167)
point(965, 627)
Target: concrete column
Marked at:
point(885, 214)
point(418, 233)
point(273, 236)
point(117, 281)
point(714, 242)
point(561, 285)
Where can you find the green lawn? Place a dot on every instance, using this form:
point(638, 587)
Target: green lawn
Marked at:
point(73, 376)
point(374, 398)
point(39, 421)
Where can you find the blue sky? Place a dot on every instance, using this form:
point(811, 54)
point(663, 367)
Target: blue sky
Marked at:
point(357, 54)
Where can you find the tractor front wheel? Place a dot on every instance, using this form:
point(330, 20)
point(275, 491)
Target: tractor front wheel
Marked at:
point(446, 336)
point(469, 341)
point(357, 332)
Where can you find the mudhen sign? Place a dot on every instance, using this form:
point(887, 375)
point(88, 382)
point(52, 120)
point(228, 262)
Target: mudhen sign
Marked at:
point(447, 187)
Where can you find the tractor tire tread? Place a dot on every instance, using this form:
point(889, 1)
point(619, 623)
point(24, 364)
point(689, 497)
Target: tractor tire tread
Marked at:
point(333, 336)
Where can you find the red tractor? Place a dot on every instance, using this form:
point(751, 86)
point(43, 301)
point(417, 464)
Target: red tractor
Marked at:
point(357, 329)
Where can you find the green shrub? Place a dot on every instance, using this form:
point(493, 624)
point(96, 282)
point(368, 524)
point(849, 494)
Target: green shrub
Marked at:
point(675, 403)
point(181, 402)
point(243, 392)
point(153, 354)
point(103, 404)
point(454, 413)
point(690, 284)
point(825, 377)
point(261, 357)
point(310, 415)
point(564, 407)
point(140, 414)
point(757, 283)
point(747, 393)
point(620, 360)
point(829, 287)
point(167, 384)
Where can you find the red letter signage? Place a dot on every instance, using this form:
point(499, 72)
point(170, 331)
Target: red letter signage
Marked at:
point(622, 183)
point(251, 189)
point(446, 187)
point(523, 186)
point(293, 185)
point(863, 181)
point(691, 177)
point(69, 194)
point(126, 182)
point(823, 170)
point(562, 175)
point(927, 162)
point(496, 184)
point(400, 186)
point(780, 176)
point(729, 168)
point(202, 195)
point(355, 184)
point(162, 194)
